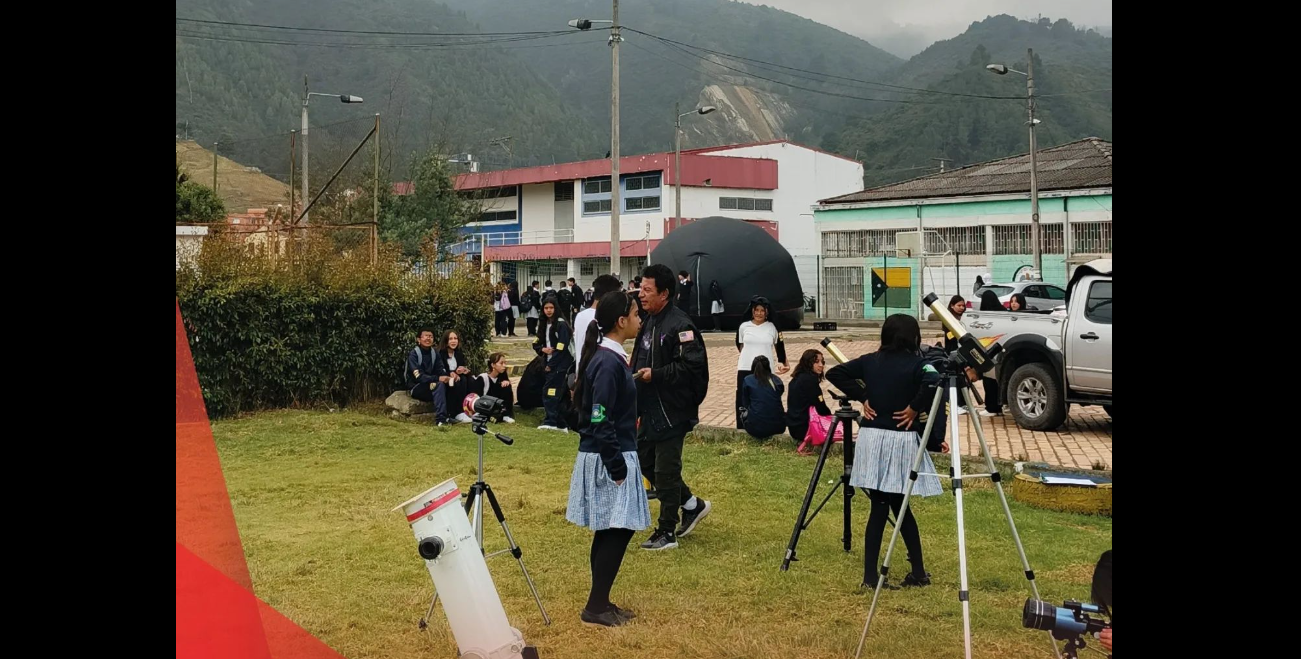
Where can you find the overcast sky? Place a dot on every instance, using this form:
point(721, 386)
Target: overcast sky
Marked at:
point(906, 27)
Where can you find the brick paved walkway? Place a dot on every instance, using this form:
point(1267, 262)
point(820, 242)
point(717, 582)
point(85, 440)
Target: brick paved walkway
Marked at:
point(1084, 440)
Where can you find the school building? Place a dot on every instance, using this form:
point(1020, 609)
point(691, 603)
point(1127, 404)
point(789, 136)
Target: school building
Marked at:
point(885, 248)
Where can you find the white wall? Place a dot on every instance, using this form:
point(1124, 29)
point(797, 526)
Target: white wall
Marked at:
point(804, 176)
point(538, 212)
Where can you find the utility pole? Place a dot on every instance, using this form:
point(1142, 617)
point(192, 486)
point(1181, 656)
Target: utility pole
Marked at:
point(615, 202)
point(1034, 166)
point(306, 96)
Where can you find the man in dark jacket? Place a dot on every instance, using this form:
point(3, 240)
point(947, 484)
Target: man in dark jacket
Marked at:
point(671, 370)
point(575, 300)
point(421, 374)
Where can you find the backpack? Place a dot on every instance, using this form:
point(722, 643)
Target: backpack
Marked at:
point(526, 302)
point(569, 406)
point(818, 427)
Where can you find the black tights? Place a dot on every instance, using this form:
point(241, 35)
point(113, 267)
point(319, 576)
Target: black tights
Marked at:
point(608, 548)
point(882, 502)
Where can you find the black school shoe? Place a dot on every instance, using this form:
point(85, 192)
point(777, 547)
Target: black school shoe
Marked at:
point(660, 540)
point(608, 618)
point(913, 581)
point(692, 517)
point(626, 614)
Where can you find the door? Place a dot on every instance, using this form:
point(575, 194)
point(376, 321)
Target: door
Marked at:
point(564, 213)
point(1088, 361)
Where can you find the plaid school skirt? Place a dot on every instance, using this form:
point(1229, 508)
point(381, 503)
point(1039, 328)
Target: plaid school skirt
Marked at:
point(597, 503)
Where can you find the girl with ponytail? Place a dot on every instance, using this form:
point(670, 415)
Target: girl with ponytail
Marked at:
point(605, 490)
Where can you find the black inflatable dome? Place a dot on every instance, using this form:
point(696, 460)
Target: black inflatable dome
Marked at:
point(744, 259)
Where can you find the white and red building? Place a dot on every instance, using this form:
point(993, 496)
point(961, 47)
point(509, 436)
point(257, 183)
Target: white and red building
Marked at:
point(553, 221)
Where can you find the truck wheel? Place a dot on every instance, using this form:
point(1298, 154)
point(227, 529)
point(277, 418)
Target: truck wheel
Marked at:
point(1037, 401)
point(1108, 409)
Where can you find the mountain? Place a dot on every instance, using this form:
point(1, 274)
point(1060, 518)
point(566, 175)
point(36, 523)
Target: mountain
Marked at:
point(240, 187)
point(654, 73)
point(243, 86)
point(513, 69)
point(1071, 67)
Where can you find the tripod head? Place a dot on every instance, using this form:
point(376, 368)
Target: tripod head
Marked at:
point(485, 407)
point(845, 410)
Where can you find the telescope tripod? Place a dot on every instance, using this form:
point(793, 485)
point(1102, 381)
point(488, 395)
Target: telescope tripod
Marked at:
point(474, 507)
point(956, 382)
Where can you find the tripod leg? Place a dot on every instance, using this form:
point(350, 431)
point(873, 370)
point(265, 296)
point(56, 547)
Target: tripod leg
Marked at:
point(956, 451)
point(515, 551)
point(804, 507)
point(903, 511)
point(424, 622)
point(1002, 499)
point(844, 480)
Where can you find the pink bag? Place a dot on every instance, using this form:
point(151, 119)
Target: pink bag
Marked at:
point(818, 427)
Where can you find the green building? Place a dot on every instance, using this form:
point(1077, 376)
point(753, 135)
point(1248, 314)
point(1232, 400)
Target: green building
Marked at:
point(884, 248)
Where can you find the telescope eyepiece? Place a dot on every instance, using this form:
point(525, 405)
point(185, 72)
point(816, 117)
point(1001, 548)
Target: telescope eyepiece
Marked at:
point(430, 547)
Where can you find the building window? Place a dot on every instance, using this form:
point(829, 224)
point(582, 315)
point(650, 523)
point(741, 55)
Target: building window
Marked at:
point(491, 193)
point(642, 203)
point(498, 216)
point(864, 242)
point(1090, 237)
point(744, 204)
point(599, 206)
point(565, 191)
point(597, 186)
point(1015, 239)
point(642, 182)
point(956, 240)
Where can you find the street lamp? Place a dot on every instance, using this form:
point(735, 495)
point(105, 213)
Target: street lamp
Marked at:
point(1034, 158)
point(615, 38)
point(677, 160)
point(307, 97)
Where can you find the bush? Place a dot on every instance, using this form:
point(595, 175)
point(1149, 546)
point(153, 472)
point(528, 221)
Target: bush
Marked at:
point(321, 328)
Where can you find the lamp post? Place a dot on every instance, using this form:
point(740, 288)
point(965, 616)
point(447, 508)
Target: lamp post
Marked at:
point(615, 38)
point(677, 160)
point(1034, 158)
point(307, 97)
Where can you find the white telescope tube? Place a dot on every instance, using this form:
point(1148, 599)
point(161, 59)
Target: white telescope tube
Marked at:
point(455, 561)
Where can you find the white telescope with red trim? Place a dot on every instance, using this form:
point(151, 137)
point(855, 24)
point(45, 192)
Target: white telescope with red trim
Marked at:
point(455, 562)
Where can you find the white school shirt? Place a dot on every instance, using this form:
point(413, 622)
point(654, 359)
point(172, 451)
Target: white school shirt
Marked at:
point(585, 317)
point(757, 340)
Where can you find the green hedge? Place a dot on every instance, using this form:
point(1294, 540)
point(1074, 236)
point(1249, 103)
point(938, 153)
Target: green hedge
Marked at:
point(269, 335)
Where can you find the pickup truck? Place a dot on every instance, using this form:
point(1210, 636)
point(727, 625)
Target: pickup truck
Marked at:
point(1052, 360)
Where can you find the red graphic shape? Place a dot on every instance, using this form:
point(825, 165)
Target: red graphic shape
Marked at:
point(217, 614)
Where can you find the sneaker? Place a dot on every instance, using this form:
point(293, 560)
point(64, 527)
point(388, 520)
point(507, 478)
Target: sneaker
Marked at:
point(961, 411)
point(462, 418)
point(871, 585)
point(987, 413)
point(546, 427)
point(508, 419)
point(692, 517)
point(610, 618)
point(660, 540)
point(912, 581)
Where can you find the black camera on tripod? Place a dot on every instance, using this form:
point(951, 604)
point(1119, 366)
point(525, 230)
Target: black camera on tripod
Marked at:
point(486, 407)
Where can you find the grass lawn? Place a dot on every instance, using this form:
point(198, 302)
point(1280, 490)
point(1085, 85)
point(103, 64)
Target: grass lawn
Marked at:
point(313, 493)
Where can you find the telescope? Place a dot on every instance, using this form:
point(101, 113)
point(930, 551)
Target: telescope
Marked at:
point(970, 351)
point(456, 564)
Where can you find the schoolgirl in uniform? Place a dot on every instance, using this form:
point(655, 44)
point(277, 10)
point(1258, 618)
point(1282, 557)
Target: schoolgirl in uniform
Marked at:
point(889, 437)
point(554, 338)
point(605, 490)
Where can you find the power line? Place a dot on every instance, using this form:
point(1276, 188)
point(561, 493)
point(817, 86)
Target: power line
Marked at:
point(902, 88)
point(372, 32)
point(407, 46)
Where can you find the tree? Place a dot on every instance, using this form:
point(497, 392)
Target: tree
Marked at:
point(196, 203)
point(433, 211)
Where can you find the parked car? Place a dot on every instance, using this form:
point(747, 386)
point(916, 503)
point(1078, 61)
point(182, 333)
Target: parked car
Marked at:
point(1042, 297)
point(1050, 361)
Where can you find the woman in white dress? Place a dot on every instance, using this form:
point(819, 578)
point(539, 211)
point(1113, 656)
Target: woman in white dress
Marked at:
point(757, 337)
